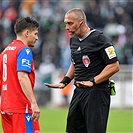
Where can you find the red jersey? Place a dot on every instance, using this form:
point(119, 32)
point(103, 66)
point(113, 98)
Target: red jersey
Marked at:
point(0, 79)
point(0, 73)
point(16, 57)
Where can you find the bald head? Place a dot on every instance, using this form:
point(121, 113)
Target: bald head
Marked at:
point(78, 13)
point(75, 21)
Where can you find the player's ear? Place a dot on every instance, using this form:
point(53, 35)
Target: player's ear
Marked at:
point(26, 33)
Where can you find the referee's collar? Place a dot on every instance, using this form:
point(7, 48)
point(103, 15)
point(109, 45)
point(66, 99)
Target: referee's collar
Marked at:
point(81, 39)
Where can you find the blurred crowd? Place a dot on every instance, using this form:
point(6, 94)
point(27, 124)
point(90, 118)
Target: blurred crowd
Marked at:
point(113, 17)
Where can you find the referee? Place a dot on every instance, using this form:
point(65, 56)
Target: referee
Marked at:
point(94, 61)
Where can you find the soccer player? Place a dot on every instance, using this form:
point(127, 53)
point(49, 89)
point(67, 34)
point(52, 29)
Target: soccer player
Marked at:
point(0, 74)
point(19, 109)
point(94, 61)
point(0, 82)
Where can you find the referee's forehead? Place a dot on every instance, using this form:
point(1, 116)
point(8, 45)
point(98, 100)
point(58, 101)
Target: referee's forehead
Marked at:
point(70, 17)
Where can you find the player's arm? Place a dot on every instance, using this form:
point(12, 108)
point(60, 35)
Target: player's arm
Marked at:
point(24, 66)
point(27, 90)
point(67, 79)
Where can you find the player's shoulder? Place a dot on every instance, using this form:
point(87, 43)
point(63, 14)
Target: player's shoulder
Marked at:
point(25, 51)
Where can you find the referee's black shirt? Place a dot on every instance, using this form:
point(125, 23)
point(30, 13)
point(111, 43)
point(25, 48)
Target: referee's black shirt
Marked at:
point(91, 55)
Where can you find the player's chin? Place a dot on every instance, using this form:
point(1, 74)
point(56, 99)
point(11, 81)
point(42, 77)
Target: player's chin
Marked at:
point(32, 44)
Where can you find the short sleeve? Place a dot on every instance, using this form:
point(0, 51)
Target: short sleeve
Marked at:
point(24, 60)
point(107, 50)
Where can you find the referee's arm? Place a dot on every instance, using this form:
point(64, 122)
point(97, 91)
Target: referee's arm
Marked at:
point(70, 72)
point(107, 72)
point(66, 80)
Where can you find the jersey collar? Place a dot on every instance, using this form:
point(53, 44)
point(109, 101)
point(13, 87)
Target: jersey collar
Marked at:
point(81, 39)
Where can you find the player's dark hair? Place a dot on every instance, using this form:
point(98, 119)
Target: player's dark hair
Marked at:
point(25, 23)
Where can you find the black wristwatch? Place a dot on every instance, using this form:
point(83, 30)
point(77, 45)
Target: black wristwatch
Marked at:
point(93, 81)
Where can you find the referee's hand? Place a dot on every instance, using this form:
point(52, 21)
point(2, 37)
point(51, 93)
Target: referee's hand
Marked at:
point(84, 84)
point(59, 85)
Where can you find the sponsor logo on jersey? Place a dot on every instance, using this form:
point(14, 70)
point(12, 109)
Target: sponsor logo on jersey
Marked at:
point(86, 60)
point(10, 48)
point(110, 51)
point(28, 118)
point(27, 51)
point(26, 63)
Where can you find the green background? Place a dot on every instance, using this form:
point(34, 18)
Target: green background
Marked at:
point(53, 120)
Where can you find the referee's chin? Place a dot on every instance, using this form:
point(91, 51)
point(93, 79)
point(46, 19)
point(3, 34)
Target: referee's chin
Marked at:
point(72, 35)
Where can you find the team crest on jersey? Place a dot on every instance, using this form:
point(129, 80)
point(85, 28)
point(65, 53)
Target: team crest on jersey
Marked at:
point(86, 60)
point(110, 52)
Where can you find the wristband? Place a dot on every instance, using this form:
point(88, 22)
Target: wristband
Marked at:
point(66, 80)
point(93, 81)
